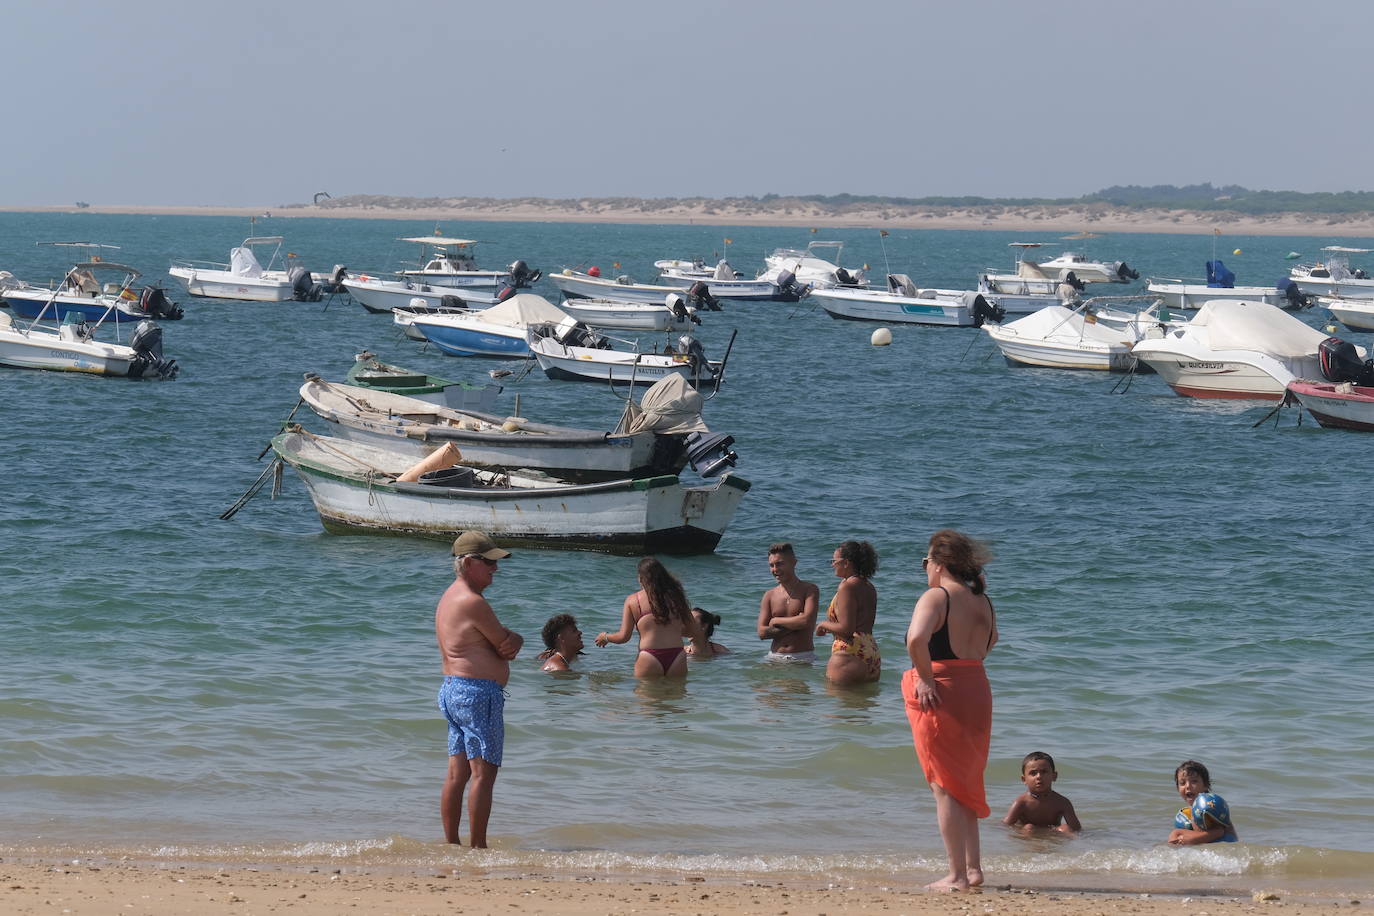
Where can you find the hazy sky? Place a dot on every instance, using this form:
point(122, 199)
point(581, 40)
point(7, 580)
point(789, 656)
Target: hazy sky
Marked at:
point(247, 103)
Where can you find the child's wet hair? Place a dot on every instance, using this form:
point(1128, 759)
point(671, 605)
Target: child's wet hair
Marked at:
point(1034, 756)
point(708, 621)
point(1193, 768)
point(554, 626)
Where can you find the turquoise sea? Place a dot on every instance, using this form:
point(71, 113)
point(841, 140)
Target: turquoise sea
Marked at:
point(1171, 583)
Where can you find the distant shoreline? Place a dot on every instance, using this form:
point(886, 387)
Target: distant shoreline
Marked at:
point(991, 219)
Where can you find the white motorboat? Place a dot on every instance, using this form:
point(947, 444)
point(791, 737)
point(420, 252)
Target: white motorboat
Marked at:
point(1356, 314)
point(817, 267)
point(723, 282)
point(417, 428)
point(72, 347)
point(1221, 284)
point(1234, 349)
point(671, 315)
point(450, 262)
point(355, 489)
point(1061, 337)
point(903, 303)
point(1334, 276)
point(380, 296)
point(403, 316)
point(500, 331)
point(591, 285)
point(245, 277)
point(571, 351)
point(86, 294)
point(1087, 270)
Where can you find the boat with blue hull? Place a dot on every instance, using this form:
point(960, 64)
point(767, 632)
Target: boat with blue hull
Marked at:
point(81, 296)
point(498, 332)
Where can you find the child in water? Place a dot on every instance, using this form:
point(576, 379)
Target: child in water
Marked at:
point(1205, 817)
point(707, 621)
point(1040, 805)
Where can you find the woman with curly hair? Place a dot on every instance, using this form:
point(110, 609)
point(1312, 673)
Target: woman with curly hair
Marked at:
point(948, 699)
point(662, 616)
point(854, 657)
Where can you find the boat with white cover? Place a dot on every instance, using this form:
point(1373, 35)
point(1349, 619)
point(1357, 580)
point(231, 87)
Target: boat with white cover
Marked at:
point(818, 267)
point(1063, 337)
point(903, 303)
point(417, 428)
point(244, 277)
point(1221, 284)
point(671, 315)
point(1335, 276)
point(571, 351)
point(1234, 349)
point(356, 490)
point(500, 331)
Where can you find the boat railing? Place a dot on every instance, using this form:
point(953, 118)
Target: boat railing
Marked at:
point(196, 264)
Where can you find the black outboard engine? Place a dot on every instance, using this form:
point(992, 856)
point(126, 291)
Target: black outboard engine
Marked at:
point(148, 361)
point(1071, 279)
point(1340, 362)
point(1293, 296)
point(451, 301)
point(1125, 274)
point(690, 347)
point(700, 296)
point(522, 276)
point(678, 306)
point(710, 453)
point(789, 290)
point(155, 304)
point(303, 286)
point(336, 277)
point(984, 311)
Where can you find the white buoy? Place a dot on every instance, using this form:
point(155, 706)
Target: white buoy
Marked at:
point(881, 337)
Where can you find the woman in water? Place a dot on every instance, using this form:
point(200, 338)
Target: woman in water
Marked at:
point(948, 700)
point(660, 613)
point(708, 623)
point(854, 655)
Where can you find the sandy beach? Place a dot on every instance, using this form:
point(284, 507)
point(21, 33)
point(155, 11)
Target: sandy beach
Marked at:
point(78, 887)
point(1065, 219)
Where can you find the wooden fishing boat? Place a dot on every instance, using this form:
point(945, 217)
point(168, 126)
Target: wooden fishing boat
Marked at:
point(369, 372)
point(356, 491)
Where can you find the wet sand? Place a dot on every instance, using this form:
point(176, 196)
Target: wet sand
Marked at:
point(1001, 219)
point(171, 888)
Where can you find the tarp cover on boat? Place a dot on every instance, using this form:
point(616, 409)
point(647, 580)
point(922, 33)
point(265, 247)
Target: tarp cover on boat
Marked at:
point(1219, 276)
point(670, 405)
point(523, 310)
point(724, 271)
point(1029, 270)
point(243, 263)
point(1239, 325)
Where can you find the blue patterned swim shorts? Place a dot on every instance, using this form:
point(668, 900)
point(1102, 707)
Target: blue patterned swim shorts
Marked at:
point(474, 708)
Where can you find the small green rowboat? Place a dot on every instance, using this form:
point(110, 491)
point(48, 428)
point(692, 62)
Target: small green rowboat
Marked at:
point(369, 372)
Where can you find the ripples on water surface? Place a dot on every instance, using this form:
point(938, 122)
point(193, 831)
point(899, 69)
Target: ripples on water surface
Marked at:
point(1170, 584)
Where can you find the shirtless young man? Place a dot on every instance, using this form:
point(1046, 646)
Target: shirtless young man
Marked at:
point(787, 613)
point(476, 651)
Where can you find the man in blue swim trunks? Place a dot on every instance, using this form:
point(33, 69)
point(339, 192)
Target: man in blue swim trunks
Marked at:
point(476, 650)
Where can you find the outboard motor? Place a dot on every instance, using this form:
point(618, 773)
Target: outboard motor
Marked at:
point(678, 306)
point(1071, 279)
point(1294, 296)
point(789, 290)
point(451, 301)
point(700, 296)
point(522, 276)
point(148, 361)
point(155, 304)
point(984, 311)
point(1340, 362)
point(303, 286)
point(336, 277)
point(710, 453)
point(844, 277)
point(691, 348)
point(1125, 274)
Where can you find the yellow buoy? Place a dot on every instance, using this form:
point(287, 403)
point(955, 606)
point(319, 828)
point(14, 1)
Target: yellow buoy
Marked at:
point(1237, 251)
point(881, 337)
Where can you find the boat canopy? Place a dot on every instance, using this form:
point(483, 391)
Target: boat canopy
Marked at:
point(1219, 276)
point(670, 405)
point(263, 240)
point(243, 263)
point(106, 265)
point(1239, 325)
point(440, 240)
point(522, 310)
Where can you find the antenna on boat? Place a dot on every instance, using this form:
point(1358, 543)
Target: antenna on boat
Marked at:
point(882, 234)
point(720, 376)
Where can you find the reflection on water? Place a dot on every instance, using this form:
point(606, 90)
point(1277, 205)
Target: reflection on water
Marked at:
point(854, 701)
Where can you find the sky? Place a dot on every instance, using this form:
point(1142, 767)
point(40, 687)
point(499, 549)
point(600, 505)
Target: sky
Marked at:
point(148, 102)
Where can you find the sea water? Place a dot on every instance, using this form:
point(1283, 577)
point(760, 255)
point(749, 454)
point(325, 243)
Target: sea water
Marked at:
point(1170, 581)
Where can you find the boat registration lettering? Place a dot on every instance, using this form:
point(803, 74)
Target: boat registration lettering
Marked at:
point(1202, 365)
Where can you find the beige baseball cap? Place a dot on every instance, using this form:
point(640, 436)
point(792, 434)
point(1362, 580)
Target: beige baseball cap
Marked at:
point(477, 544)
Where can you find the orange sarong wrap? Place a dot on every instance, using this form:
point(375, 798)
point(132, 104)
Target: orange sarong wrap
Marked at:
point(952, 739)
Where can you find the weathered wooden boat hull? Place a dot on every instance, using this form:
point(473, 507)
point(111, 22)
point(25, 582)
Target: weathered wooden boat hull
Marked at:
point(649, 515)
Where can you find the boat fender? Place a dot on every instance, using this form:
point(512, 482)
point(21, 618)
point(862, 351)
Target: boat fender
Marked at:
point(593, 271)
point(446, 456)
point(514, 424)
point(881, 337)
point(416, 302)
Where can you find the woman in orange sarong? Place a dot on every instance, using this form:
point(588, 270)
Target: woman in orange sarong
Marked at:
point(948, 699)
